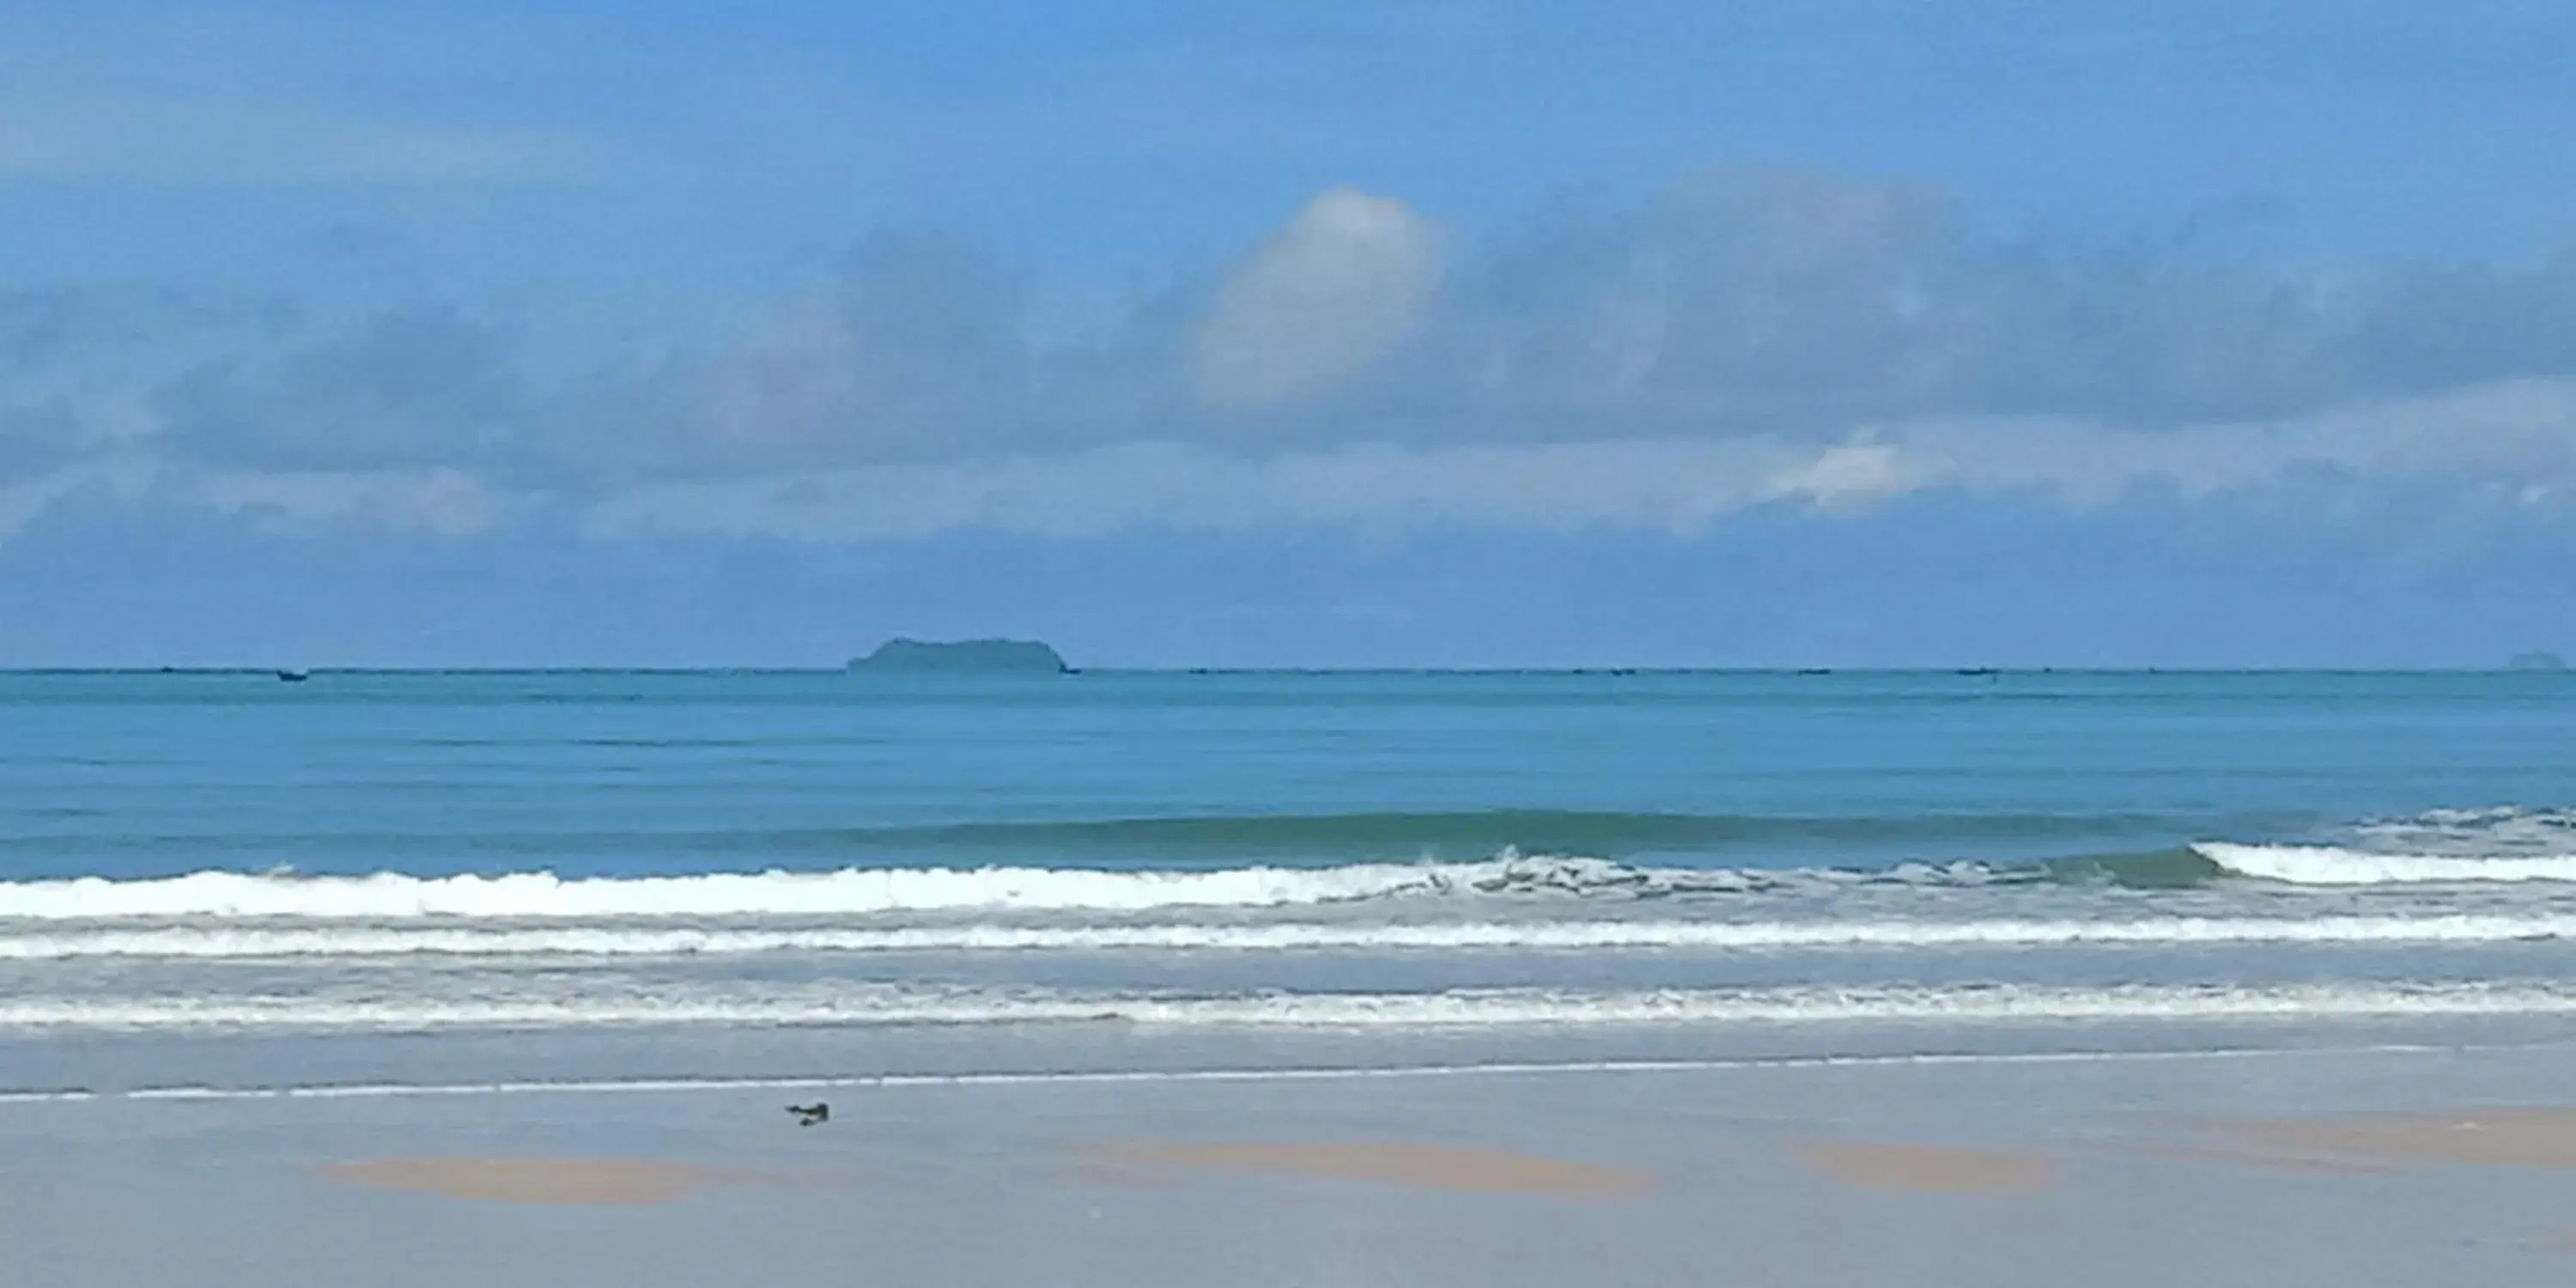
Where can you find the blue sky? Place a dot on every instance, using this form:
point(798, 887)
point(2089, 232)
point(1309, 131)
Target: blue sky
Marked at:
point(1833, 333)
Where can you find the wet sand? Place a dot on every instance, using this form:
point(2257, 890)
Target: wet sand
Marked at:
point(1927, 1169)
point(1434, 1167)
point(2296, 1168)
point(2542, 1138)
point(577, 1181)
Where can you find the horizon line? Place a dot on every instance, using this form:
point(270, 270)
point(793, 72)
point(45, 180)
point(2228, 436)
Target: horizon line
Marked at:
point(1611, 669)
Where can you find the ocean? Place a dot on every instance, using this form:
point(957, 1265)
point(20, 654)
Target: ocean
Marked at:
point(221, 884)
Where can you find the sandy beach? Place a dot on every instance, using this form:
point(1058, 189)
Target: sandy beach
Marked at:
point(2247, 1168)
point(565, 1181)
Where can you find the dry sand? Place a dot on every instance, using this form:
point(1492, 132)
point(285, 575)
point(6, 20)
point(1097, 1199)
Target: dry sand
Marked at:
point(1931, 1169)
point(571, 1181)
point(1435, 1167)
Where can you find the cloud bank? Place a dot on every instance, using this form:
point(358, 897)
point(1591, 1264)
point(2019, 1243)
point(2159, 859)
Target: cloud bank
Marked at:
point(1745, 340)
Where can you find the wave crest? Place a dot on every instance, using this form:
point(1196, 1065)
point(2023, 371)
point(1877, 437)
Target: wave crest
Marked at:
point(2331, 865)
point(1820, 934)
point(393, 896)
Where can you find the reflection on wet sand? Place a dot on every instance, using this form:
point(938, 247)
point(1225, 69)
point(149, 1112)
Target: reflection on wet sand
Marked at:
point(1438, 1167)
point(2529, 1137)
point(564, 1181)
point(1924, 1168)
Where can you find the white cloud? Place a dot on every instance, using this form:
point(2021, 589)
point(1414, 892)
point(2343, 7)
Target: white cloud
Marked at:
point(1170, 486)
point(2509, 445)
point(2521, 432)
point(1810, 343)
point(1848, 474)
point(2520, 437)
point(1317, 303)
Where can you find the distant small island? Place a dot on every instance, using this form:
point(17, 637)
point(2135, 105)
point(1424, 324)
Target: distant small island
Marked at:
point(964, 657)
point(2537, 661)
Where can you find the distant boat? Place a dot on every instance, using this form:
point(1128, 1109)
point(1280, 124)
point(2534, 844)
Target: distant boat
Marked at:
point(294, 677)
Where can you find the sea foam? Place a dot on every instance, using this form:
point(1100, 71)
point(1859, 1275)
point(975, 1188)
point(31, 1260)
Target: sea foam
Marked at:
point(1812, 934)
point(2338, 866)
point(393, 896)
point(387, 896)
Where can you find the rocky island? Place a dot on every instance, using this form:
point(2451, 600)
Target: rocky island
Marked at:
point(963, 657)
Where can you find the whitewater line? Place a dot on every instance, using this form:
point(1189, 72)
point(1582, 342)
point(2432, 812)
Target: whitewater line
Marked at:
point(2337, 866)
point(394, 896)
point(1526, 1009)
point(577, 941)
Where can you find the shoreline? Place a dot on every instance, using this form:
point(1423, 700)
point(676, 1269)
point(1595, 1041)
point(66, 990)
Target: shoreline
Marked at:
point(1240, 1074)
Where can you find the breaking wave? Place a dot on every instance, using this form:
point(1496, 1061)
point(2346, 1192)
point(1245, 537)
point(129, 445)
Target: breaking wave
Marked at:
point(392, 896)
point(2508, 844)
point(2459, 847)
point(196, 943)
point(2330, 865)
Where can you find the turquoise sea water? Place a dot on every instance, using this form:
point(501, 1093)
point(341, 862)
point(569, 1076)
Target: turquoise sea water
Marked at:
point(137, 775)
point(189, 860)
